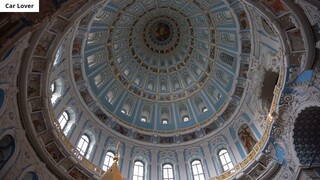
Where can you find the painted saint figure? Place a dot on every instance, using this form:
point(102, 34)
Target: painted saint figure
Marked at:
point(246, 137)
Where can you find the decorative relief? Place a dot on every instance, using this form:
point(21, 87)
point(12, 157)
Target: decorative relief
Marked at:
point(301, 93)
point(167, 155)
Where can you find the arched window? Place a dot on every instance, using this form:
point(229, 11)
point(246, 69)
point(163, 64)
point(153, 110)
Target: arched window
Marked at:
point(167, 171)
point(138, 170)
point(197, 171)
point(225, 160)
point(108, 160)
point(83, 144)
point(63, 119)
point(56, 90)
point(7, 147)
point(66, 120)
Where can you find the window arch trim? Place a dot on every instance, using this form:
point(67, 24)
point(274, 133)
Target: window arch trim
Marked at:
point(168, 171)
point(197, 169)
point(225, 160)
point(139, 170)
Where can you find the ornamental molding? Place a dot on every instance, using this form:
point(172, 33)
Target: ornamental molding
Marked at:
point(304, 95)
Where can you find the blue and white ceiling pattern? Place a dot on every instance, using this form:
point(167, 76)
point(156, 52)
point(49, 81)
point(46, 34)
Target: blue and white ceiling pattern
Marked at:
point(163, 67)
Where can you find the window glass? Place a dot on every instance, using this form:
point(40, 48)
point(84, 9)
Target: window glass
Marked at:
point(225, 160)
point(63, 119)
point(108, 160)
point(197, 170)
point(138, 171)
point(83, 144)
point(167, 170)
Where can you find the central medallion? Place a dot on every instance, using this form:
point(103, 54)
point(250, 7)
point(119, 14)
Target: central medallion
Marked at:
point(162, 31)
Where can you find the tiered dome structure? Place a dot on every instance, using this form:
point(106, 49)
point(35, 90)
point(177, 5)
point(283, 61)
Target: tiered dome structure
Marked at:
point(152, 67)
point(204, 89)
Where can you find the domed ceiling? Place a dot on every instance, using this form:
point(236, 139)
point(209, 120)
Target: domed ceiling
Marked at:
point(161, 67)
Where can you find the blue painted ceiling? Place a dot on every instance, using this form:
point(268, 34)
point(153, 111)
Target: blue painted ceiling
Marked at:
point(163, 66)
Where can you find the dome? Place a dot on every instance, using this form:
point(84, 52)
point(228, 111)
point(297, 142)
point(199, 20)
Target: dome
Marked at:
point(156, 68)
point(167, 89)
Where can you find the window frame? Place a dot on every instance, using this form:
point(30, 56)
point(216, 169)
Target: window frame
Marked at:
point(196, 164)
point(168, 172)
point(139, 176)
point(88, 141)
point(110, 155)
point(64, 117)
point(223, 153)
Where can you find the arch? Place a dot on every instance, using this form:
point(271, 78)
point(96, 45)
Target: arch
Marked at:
point(66, 119)
point(175, 84)
point(224, 17)
point(7, 148)
point(56, 90)
point(128, 70)
point(146, 113)
point(94, 37)
point(94, 59)
point(139, 78)
point(151, 85)
point(63, 119)
point(127, 106)
point(163, 85)
point(139, 172)
point(247, 138)
point(222, 76)
point(168, 171)
point(112, 95)
point(225, 160)
point(85, 144)
point(187, 78)
point(108, 160)
point(228, 39)
point(213, 92)
point(101, 78)
point(226, 58)
point(197, 170)
point(200, 105)
point(165, 115)
point(184, 113)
